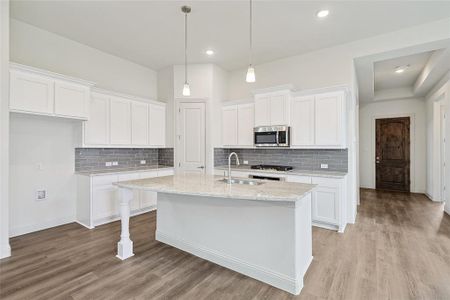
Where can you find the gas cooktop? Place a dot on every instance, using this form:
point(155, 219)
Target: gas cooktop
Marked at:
point(271, 167)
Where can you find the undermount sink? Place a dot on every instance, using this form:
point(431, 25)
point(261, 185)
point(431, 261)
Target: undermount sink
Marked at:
point(241, 181)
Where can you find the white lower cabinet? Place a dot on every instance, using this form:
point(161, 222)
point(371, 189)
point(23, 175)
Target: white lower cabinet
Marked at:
point(328, 207)
point(328, 203)
point(98, 199)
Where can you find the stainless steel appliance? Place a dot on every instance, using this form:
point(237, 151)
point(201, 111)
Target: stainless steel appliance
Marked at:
point(272, 136)
point(271, 167)
point(266, 177)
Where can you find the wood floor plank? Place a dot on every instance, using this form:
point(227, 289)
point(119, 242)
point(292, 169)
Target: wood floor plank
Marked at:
point(399, 248)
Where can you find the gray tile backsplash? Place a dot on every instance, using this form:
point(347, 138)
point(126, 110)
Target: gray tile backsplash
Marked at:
point(307, 159)
point(88, 159)
point(165, 156)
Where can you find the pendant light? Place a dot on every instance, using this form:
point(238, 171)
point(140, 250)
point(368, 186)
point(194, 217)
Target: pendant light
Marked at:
point(186, 88)
point(251, 71)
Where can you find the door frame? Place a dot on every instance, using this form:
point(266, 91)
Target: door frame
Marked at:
point(177, 106)
point(412, 144)
point(443, 148)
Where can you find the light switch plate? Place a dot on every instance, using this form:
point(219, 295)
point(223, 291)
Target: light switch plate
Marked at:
point(324, 166)
point(115, 163)
point(108, 164)
point(143, 162)
point(245, 162)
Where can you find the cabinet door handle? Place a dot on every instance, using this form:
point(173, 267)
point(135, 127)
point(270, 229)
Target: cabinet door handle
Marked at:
point(201, 167)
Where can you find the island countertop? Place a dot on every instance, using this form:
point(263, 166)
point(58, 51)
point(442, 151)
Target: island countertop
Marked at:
point(211, 186)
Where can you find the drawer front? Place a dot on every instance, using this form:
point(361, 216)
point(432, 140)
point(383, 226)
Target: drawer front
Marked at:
point(129, 176)
point(104, 180)
point(162, 173)
point(327, 182)
point(150, 174)
point(299, 179)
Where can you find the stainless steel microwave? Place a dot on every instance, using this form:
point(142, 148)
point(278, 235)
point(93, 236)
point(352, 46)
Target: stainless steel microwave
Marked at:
point(272, 136)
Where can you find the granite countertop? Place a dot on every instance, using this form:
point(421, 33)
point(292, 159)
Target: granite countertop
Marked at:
point(124, 170)
point(212, 186)
point(295, 171)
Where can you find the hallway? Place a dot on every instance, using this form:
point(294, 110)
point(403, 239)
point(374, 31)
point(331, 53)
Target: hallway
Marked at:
point(399, 248)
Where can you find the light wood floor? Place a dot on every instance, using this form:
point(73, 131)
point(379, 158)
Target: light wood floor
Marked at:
point(398, 249)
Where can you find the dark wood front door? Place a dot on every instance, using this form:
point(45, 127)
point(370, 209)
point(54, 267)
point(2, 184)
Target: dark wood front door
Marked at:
point(392, 154)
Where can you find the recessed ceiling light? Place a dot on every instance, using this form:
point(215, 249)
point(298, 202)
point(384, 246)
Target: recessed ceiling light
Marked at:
point(401, 69)
point(210, 52)
point(323, 13)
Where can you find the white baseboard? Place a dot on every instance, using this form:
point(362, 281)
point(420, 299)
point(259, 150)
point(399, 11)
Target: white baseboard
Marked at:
point(281, 281)
point(447, 209)
point(40, 226)
point(326, 226)
point(84, 225)
point(5, 250)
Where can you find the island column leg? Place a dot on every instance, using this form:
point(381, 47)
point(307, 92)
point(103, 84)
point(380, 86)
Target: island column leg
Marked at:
point(125, 245)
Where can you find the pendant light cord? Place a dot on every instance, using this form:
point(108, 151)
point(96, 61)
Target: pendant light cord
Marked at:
point(185, 47)
point(251, 31)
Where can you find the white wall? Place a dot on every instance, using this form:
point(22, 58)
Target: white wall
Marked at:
point(438, 97)
point(5, 249)
point(332, 66)
point(42, 49)
point(47, 142)
point(208, 82)
point(408, 107)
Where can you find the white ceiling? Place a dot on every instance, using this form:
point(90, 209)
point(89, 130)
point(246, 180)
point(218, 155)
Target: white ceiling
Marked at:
point(150, 33)
point(378, 81)
point(386, 78)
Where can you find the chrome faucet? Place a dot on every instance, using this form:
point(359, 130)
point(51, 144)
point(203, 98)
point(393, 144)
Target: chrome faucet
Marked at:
point(229, 164)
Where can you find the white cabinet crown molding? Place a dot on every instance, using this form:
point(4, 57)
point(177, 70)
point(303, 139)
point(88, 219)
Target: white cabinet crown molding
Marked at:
point(42, 72)
point(278, 88)
point(126, 96)
point(330, 89)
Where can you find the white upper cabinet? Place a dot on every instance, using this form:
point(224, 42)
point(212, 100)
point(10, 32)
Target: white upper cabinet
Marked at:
point(246, 123)
point(120, 121)
point(318, 121)
point(96, 130)
point(31, 93)
point(302, 121)
point(116, 121)
point(262, 110)
point(157, 125)
point(279, 109)
point(71, 100)
point(329, 119)
point(237, 124)
point(35, 91)
point(139, 123)
point(230, 125)
point(272, 108)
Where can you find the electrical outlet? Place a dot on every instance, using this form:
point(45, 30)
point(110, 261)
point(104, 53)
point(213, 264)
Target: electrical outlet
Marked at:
point(143, 162)
point(245, 162)
point(41, 195)
point(115, 163)
point(324, 166)
point(108, 164)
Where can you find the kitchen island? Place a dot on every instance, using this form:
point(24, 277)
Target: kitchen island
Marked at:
point(261, 229)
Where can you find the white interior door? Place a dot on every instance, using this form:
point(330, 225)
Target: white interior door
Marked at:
point(191, 137)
